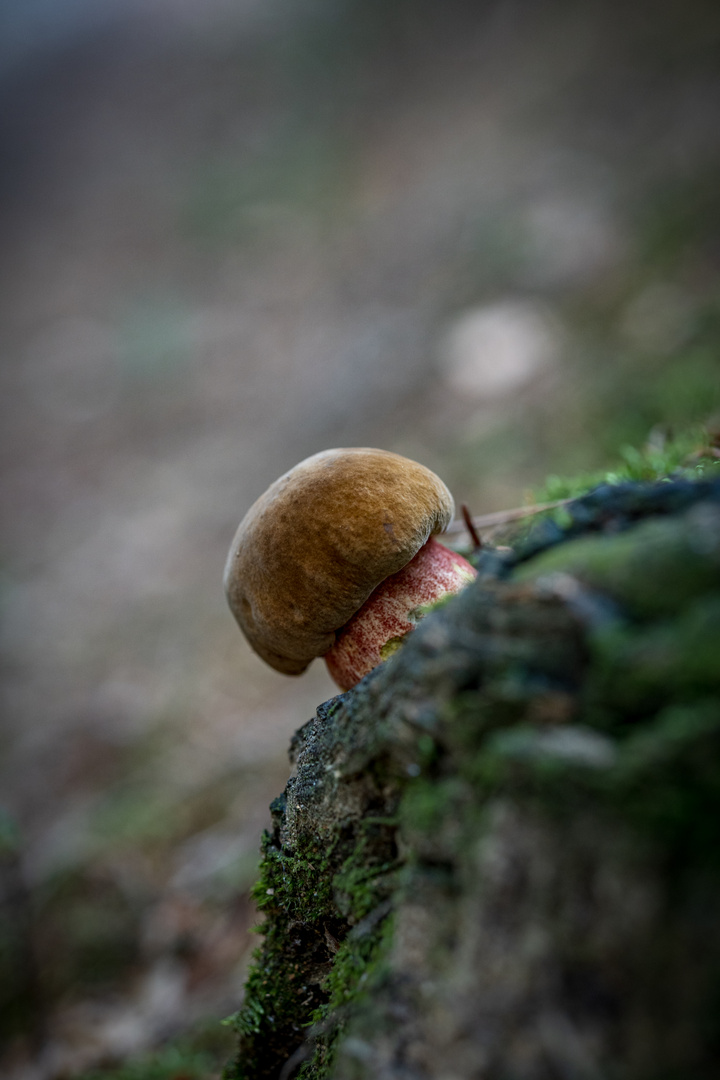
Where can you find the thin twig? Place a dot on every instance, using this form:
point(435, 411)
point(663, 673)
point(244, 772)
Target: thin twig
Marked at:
point(503, 517)
point(470, 526)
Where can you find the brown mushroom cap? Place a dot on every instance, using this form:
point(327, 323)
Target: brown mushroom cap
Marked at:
point(312, 549)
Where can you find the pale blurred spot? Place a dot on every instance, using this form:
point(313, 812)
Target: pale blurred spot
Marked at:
point(71, 370)
point(659, 319)
point(489, 352)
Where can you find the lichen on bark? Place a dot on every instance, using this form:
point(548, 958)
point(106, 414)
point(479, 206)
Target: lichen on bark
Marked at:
point(499, 855)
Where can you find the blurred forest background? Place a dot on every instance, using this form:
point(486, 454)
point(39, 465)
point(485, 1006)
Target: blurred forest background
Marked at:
point(233, 233)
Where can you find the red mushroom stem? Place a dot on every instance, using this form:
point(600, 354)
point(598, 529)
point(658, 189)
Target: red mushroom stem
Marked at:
point(394, 609)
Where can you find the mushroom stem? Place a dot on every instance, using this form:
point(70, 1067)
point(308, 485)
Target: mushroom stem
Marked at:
point(394, 609)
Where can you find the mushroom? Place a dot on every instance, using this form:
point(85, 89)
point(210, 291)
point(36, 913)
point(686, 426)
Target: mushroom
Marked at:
point(337, 559)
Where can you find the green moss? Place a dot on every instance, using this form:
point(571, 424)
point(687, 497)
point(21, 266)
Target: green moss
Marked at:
point(652, 569)
point(429, 803)
point(297, 883)
point(391, 646)
point(667, 780)
point(638, 669)
point(324, 907)
point(663, 781)
point(358, 968)
point(282, 991)
point(689, 455)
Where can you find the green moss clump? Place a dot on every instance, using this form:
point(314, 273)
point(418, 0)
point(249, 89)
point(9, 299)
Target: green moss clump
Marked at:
point(325, 893)
point(322, 936)
point(652, 570)
point(689, 455)
point(284, 988)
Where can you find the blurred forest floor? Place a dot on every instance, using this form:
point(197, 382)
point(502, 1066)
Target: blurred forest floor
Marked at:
point(485, 236)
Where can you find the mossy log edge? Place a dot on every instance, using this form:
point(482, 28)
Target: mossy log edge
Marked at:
point(499, 855)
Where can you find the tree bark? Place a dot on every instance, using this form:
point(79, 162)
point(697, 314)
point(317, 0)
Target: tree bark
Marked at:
point(499, 858)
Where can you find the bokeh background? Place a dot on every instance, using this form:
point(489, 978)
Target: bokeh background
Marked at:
point(234, 233)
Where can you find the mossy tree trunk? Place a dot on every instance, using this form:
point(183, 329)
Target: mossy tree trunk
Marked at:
point(499, 856)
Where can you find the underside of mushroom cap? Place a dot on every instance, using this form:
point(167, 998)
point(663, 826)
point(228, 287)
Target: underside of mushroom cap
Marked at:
point(312, 549)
